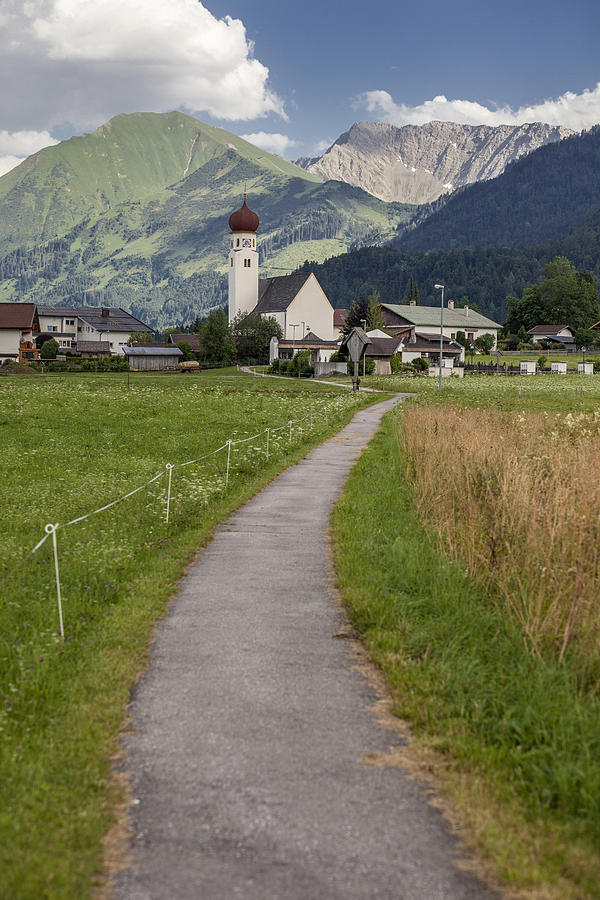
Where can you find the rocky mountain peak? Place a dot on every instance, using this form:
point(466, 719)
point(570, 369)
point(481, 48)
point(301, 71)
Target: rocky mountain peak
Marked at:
point(419, 163)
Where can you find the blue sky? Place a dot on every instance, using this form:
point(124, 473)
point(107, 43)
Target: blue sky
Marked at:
point(293, 76)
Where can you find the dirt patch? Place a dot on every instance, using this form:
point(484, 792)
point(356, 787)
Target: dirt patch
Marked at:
point(15, 368)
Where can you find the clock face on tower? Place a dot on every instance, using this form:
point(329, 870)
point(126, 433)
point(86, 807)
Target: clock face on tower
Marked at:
point(246, 242)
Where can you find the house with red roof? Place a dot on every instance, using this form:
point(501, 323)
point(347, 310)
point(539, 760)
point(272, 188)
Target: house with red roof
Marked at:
point(18, 322)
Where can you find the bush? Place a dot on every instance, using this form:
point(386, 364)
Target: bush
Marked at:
point(300, 364)
point(420, 364)
point(369, 368)
point(49, 349)
point(543, 363)
point(274, 367)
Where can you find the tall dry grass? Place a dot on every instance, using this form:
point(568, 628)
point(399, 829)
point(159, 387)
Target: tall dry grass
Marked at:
point(517, 497)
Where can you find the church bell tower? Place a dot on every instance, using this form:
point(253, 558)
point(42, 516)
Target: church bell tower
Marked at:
point(243, 261)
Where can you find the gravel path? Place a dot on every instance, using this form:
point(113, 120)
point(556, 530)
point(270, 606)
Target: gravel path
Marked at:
point(251, 724)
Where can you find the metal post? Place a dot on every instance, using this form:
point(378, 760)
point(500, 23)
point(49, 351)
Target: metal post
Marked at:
point(51, 529)
point(228, 459)
point(169, 467)
point(439, 287)
point(268, 434)
point(310, 416)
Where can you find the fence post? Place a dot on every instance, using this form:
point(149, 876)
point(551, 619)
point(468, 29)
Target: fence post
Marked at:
point(51, 529)
point(290, 431)
point(228, 459)
point(310, 416)
point(169, 469)
point(268, 434)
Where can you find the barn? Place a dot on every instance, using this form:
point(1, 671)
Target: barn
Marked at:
point(153, 358)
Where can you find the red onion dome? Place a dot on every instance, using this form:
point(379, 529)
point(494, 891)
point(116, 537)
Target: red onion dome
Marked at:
point(244, 219)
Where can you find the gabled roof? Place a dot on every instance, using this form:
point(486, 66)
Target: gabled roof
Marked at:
point(547, 329)
point(182, 337)
point(116, 320)
point(339, 317)
point(382, 346)
point(308, 342)
point(429, 316)
point(17, 315)
point(276, 294)
point(152, 351)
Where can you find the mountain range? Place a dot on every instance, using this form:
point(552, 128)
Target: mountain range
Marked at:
point(419, 163)
point(135, 214)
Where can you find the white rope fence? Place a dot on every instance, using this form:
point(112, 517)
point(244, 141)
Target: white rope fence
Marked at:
point(52, 528)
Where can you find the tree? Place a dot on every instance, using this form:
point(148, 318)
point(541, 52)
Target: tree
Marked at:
point(585, 337)
point(565, 297)
point(140, 337)
point(188, 353)
point(49, 349)
point(412, 294)
point(461, 338)
point(252, 333)
point(365, 311)
point(484, 343)
point(217, 340)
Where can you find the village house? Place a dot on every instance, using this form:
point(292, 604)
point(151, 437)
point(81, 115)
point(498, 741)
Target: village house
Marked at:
point(554, 334)
point(18, 324)
point(426, 320)
point(89, 330)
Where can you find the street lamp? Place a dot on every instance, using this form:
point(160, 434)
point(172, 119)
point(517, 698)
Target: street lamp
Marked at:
point(440, 287)
point(364, 324)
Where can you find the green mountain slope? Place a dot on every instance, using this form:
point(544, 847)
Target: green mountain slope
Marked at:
point(541, 197)
point(136, 215)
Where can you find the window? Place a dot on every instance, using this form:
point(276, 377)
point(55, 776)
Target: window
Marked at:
point(452, 335)
point(238, 242)
point(470, 335)
point(247, 263)
point(231, 261)
point(69, 321)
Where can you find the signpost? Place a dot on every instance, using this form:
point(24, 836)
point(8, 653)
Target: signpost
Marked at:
point(356, 343)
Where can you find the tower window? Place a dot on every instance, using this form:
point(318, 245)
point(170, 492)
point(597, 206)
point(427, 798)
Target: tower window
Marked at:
point(247, 263)
point(231, 261)
point(238, 242)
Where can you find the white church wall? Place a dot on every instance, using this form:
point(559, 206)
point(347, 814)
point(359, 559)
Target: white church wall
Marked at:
point(312, 307)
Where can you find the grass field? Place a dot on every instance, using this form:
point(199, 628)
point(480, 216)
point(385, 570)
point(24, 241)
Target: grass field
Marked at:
point(72, 444)
point(474, 583)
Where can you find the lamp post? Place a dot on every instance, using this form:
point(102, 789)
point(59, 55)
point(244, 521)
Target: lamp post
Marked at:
point(440, 287)
point(294, 338)
point(364, 325)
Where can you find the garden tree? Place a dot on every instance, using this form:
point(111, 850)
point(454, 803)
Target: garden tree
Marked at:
point(565, 297)
point(253, 333)
point(461, 338)
point(585, 337)
point(49, 349)
point(140, 337)
point(188, 353)
point(217, 340)
point(484, 343)
point(412, 294)
point(365, 310)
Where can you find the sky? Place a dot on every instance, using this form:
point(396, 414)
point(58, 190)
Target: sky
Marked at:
point(293, 77)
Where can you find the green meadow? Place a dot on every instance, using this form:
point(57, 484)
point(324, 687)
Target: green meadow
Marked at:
point(70, 445)
point(473, 582)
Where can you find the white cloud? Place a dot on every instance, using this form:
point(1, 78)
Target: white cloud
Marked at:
point(17, 145)
point(576, 111)
point(322, 146)
point(275, 143)
point(82, 61)
point(9, 162)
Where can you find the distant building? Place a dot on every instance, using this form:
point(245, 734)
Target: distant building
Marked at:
point(18, 324)
point(297, 302)
point(153, 357)
point(427, 320)
point(556, 334)
point(76, 327)
point(339, 320)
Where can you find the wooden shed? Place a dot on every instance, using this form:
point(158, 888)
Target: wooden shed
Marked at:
point(152, 358)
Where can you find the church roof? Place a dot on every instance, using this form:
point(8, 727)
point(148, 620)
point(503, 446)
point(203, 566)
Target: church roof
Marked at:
point(276, 294)
point(244, 219)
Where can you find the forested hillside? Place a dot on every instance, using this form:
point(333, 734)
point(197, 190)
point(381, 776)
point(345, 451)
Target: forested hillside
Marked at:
point(485, 276)
point(539, 198)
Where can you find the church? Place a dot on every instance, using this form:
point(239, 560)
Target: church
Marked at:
point(297, 302)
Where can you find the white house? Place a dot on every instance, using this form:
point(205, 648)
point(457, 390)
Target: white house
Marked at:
point(89, 328)
point(557, 334)
point(427, 319)
point(18, 322)
point(297, 302)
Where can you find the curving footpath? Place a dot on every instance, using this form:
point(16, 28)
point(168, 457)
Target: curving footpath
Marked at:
point(250, 726)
